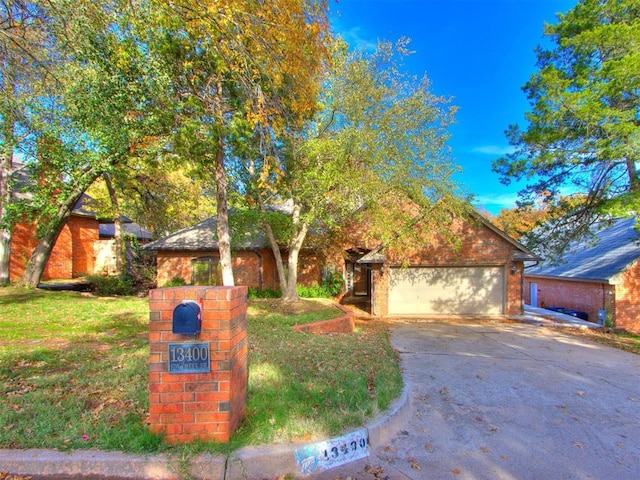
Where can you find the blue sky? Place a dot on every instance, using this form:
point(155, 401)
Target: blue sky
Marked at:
point(479, 52)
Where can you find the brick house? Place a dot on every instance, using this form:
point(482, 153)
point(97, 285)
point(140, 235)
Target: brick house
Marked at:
point(601, 278)
point(84, 246)
point(71, 256)
point(483, 276)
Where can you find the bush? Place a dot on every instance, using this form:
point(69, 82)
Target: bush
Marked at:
point(176, 282)
point(108, 286)
point(333, 283)
point(314, 291)
point(255, 292)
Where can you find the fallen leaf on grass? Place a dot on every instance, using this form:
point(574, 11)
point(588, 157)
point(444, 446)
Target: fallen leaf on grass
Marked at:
point(455, 471)
point(428, 447)
point(484, 449)
point(414, 463)
point(504, 457)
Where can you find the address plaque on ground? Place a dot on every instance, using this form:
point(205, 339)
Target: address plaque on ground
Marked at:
point(189, 357)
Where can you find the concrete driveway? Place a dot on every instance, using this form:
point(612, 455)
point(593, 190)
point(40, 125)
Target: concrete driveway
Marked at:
point(495, 400)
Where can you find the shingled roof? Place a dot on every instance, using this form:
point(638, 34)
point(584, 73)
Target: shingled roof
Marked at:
point(203, 237)
point(614, 249)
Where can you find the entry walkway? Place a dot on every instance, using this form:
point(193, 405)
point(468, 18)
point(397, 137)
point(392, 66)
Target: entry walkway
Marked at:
point(542, 316)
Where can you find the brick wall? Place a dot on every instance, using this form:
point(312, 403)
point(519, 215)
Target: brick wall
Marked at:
point(23, 242)
point(199, 406)
point(71, 256)
point(250, 268)
point(586, 297)
point(60, 263)
point(84, 232)
point(627, 299)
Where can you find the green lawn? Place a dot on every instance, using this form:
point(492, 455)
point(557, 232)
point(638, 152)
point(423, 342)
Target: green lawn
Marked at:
point(73, 373)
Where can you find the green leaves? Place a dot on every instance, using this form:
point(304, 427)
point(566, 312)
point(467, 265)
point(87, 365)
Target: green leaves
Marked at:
point(583, 130)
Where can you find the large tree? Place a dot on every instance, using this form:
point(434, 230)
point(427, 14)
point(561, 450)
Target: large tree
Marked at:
point(378, 145)
point(236, 65)
point(582, 137)
point(101, 113)
point(25, 71)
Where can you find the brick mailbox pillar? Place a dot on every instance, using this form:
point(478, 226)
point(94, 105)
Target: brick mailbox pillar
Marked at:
point(198, 383)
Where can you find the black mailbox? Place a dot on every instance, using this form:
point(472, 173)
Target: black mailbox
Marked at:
point(187, 318)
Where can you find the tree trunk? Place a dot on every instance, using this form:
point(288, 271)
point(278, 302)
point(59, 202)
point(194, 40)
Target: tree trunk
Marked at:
point(275, 248)
point(5, 254)
point(290, 293)
point(5, 230)
point(40, 256)
point(222, 224)
point(634, 181)
point(117, 224)
point(6, 169)
point(289, 279)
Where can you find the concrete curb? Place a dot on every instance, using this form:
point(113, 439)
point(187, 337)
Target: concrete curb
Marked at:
point(273, 461)
point(245, 464)
point(118, 465)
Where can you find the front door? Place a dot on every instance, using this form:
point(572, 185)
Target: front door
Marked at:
point(360, 280)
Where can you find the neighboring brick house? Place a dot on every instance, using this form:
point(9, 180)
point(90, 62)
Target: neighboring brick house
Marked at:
point(83, 247)
point(601, 278)
point(71, 256)
point(483, 277)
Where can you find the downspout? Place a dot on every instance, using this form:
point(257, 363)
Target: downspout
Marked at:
point(522, 285)
point(373, 293)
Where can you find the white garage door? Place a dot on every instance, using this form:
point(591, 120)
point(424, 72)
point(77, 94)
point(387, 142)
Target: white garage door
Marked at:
point(446, 290)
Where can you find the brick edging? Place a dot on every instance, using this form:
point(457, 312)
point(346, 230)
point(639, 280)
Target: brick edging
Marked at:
point(343, 324)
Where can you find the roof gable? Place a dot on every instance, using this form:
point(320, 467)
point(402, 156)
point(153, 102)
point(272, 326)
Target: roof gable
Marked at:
point(614, 249)
point(521, 253)
point(203, 237)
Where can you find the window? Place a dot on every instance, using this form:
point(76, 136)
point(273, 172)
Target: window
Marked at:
point(204, 271)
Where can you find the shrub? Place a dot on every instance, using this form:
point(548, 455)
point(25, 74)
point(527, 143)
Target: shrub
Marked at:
point(255, 292)
point(314, 291)
point(333, 283)
point(108, 286)
point(176, 282)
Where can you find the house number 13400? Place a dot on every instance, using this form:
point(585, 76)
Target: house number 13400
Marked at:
point(189, 357)
point(333, 452)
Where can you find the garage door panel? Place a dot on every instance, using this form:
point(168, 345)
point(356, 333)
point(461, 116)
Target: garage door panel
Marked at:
point(446, 290)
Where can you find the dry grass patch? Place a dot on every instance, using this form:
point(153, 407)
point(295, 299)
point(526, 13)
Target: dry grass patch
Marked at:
point(626, 341)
